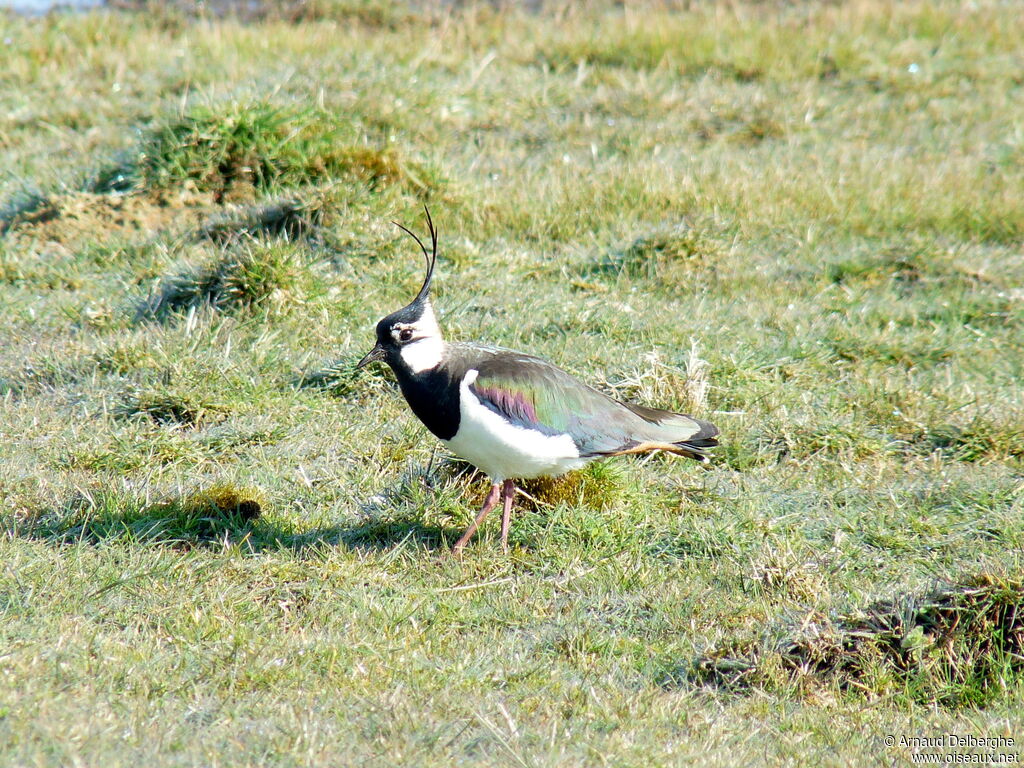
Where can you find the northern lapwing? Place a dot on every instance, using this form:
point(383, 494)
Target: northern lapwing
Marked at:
point(512, 415)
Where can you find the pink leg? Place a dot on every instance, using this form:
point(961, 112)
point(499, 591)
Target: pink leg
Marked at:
point(492, 499)
point(508, 493)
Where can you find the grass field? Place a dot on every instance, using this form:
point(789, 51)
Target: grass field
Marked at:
point(221, 545)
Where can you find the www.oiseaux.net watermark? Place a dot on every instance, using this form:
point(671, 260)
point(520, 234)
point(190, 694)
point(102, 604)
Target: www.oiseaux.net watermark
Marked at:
point(956, 749)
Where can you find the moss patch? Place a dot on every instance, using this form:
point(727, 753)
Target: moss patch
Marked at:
point(219, 513)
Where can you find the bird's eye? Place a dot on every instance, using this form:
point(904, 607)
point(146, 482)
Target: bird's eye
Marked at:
point(405, 334)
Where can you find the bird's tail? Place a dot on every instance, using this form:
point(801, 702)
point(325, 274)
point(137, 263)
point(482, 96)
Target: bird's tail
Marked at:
point(695, 447)
point(672, 432)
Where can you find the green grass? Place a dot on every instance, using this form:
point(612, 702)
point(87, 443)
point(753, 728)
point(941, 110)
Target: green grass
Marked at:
point(222, 545)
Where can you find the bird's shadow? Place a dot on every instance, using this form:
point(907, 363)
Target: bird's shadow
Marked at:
point(377, 536)
point(100, 518)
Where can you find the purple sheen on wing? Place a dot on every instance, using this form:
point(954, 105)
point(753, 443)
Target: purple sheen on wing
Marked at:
point(515, 404)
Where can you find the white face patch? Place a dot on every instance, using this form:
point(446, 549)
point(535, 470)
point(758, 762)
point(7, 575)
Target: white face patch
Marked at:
point(425, 348)
point(424, 354)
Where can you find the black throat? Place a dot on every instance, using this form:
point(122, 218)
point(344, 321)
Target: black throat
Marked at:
point(433, 396)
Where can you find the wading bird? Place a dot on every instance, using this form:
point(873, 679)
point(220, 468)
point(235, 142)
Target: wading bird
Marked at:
point(512, 415)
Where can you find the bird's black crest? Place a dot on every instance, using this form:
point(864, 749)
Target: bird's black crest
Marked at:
point(430, 257)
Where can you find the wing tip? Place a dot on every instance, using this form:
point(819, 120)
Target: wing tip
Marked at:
point(691, 450)
point(697, 451)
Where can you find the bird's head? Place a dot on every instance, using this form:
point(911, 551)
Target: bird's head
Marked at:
point(410, 337)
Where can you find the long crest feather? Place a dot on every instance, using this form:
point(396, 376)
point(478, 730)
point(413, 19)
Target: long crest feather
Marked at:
point(430, 257)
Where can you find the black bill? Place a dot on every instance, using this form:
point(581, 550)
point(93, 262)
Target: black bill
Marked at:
point(374, 355)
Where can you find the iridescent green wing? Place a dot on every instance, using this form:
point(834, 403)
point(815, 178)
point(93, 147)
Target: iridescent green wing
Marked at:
point(533, 393)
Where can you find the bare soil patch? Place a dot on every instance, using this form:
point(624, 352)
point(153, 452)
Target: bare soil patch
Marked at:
point(71, 218)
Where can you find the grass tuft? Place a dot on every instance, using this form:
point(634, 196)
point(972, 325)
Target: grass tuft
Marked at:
point(894, 264)
point(960, 645)
point(250, 276)
point(682, 387)
point(665, 253)
point(979, 440)
point(237, 151)
point(169, 408)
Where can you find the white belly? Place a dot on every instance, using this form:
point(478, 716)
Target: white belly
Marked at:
point(504, 450)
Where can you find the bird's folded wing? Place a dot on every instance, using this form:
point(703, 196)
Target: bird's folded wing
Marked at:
point(535, 394)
